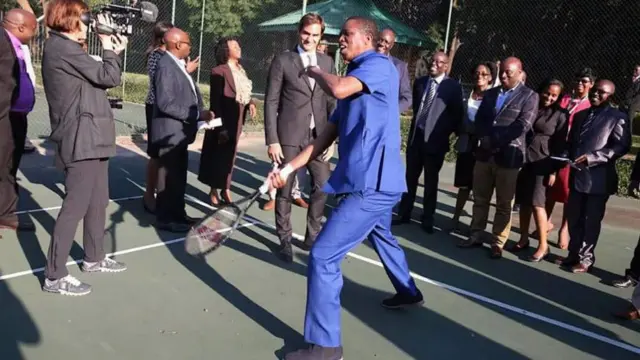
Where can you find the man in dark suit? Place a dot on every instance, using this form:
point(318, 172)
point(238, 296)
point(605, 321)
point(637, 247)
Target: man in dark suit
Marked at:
point(296, 112)
point(599, 136)
point(504, 117)
point(386, 41)
point(631, 102)
point(17, 98)
point(437, 113)
point(177, 110)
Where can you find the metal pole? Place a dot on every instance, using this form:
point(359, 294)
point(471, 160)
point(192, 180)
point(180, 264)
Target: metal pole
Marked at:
point(173, 13)
point(204, 2)
point(446, 38)
point(124, 68)
point(304, 7)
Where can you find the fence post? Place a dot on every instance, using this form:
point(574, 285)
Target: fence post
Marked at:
point(204, 3)
point(173, 12)
point(446, 37)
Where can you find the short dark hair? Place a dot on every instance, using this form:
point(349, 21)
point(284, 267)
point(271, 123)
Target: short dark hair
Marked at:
point(222, 49)
point(551, 82)
point(586, 73)
point(367, 26)
point(64, 15)
point(311, 19)
point(489, 65)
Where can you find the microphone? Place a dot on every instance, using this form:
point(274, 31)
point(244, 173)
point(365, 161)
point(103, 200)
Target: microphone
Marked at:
point(148, 12)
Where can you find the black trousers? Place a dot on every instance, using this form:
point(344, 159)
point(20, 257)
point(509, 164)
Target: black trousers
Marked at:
point(418, 159)
point(634, 268)
point(13, 132)
point(584, 216)
point(319, 174)
point(172, 184)
point(87, 196)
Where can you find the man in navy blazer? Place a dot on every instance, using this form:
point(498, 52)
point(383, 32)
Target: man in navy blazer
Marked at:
point(386, 42)
point(177, 110)
point(504, 117)
point(438, 109)
point(599, 136)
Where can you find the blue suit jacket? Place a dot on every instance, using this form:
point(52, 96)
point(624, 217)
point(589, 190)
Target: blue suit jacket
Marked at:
point(506, 128)
point(369, 131)
point(607, 140)
point(405, 84)
point(447, 109)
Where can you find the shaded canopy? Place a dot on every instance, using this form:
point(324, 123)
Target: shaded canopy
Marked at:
point(336, 12)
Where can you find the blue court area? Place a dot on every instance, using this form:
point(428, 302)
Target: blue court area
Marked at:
point(244, 303)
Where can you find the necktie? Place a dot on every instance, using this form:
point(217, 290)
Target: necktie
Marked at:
point(586, 126)
point(424, 112)
point(312, 83)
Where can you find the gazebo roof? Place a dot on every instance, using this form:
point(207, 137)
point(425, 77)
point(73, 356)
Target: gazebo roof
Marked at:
point(336, 12)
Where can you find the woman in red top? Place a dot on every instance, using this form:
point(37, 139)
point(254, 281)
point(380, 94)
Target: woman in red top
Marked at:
point(559, 192)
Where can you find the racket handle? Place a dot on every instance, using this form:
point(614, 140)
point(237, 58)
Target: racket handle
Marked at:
point(264, 188)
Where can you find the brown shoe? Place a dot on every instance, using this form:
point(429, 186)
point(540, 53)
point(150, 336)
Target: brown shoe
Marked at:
point(316, 353)
point(630, 314)
point(300, 202)
point(496, 252)
point(269, 205)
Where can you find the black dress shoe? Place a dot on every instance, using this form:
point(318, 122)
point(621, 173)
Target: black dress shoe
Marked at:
point(400, 221)
point(399, 301)
point(286, 252)
point(190, 220)
point(173, 227)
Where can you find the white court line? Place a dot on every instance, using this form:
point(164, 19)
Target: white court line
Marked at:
point(121, 252)
point(253, 221)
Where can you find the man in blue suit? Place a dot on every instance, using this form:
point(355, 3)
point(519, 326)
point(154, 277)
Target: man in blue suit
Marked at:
point(385, 43)
point(368, 179)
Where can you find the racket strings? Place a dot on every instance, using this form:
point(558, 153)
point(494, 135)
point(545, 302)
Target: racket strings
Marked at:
point(214, 230)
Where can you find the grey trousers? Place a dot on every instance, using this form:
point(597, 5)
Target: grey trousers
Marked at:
point(87, 196)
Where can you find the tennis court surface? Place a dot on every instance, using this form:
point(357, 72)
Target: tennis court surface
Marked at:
point(244, 303)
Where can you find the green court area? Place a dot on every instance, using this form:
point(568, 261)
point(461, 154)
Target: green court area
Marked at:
point(244, 303)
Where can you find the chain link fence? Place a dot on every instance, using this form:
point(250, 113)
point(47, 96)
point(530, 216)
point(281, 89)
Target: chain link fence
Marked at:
point(553, 38)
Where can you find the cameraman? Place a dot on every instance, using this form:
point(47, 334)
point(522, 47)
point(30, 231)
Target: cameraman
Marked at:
point(83, 129)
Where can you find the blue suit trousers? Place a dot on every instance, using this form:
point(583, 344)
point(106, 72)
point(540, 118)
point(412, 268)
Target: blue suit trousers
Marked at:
point(359, 215)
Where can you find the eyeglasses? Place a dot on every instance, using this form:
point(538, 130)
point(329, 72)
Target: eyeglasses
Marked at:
point(482, 74)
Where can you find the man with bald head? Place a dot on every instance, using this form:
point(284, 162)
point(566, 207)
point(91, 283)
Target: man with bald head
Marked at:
point(599, 136)
point(17, 98)
point(504, 117)
point(177, 110)
point(438, 111)
point(386, 41)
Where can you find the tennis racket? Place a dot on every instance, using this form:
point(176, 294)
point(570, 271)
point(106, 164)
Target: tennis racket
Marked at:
point(214, 230)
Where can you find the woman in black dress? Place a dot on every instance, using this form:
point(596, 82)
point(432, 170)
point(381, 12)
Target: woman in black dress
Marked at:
point(546, 138)
point(230, 100)
point(483, 76)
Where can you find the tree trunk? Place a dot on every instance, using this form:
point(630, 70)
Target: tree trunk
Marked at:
point(455, 45)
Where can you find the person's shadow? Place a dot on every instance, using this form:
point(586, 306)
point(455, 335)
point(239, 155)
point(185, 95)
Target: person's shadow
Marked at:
point(17, 327)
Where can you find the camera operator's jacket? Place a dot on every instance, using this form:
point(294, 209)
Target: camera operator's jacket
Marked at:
point(82, 123)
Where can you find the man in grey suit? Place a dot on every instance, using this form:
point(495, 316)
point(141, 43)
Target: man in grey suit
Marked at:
point(599, 136)
point(438, 110)
point(296, 112)
point(504, 117)
point(177, 110)
point(385, 43)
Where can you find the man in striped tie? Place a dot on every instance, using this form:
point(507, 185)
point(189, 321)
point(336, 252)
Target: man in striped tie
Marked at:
point(599, 136)
point(437, 113)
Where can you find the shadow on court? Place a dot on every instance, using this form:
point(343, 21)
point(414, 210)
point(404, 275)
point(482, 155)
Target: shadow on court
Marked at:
point(17, 327)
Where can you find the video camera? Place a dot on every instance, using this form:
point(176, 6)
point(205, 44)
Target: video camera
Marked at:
point(122, 16)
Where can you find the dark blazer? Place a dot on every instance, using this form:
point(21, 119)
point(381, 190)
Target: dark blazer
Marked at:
point(607, 140)
point(75, 84)
point(548, 134)
point(447, 108)
point(506, 128)
point(223, 102)
point(405, 84)
point(177, 109)
point(9, 76)
point(290, 101)
point(631, 102)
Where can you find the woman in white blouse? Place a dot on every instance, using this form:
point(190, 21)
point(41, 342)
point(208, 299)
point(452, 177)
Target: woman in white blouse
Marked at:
point(483, 79)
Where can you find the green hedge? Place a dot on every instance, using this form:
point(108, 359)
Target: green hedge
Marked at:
point(136, 91)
